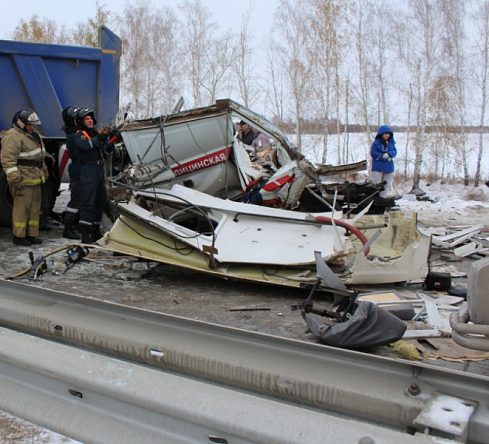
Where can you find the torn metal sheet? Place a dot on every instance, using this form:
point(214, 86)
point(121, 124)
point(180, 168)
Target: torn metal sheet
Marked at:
point(275, 257)
point(135, 237)
point(241, 233)
point(399, 254)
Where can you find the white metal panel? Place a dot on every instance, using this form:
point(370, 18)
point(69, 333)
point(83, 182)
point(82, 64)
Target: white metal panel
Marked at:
point(249, 239)
point(183, 141)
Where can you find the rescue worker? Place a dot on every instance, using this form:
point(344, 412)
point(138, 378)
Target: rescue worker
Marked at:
point(22, 158)
point(89, 147)
point(72, 211)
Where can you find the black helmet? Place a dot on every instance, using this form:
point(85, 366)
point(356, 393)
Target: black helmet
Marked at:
point(68, 115)
point(27, 117)
point(81, 113)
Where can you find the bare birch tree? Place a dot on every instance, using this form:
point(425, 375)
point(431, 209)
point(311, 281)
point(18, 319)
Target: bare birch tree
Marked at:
point(210, 55)
point(150, 76)
point(219, 57)
point(244, 64)
point(326, 47)
point(453, 15)
point(293, 43)
point(408, 129)
point(441, 111)
point(382, 36)
point(275, 92)
point(420, 51)
point(363, 86)
point(481, 20)
point(196, 38)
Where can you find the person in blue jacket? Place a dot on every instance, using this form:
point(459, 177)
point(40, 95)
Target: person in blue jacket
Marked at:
point(383, 151)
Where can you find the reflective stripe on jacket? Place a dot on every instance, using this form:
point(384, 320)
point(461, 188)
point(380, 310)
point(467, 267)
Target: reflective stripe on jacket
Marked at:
point(20, 145)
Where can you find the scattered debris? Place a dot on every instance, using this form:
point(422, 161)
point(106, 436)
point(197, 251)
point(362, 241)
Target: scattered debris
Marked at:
point(250, 309)
point(39, 267)
point(74, 255)
point(439, 281)
point(470, 248)
point(406, 349)
point(369, 326)
point(456, 238)
point(448, 350)
point(458, 243)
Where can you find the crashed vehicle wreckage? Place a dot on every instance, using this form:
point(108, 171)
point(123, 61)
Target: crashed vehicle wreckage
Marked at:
point(203, 200)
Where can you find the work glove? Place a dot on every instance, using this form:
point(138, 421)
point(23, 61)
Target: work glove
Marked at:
point(104, 131)
point(385, 156)
point(114, 137)
point(17, 187)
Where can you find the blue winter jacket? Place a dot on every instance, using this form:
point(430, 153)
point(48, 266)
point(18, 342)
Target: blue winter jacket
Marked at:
point(378, 149)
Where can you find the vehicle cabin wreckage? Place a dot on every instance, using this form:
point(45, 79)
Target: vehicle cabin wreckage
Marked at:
point(203, 200)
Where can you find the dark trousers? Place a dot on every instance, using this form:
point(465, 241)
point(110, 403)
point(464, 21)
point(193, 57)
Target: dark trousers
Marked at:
point(92, 194)
point(72, 211)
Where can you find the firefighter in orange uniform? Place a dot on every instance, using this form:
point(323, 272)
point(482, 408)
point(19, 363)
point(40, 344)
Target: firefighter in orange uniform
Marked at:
point(22, 158)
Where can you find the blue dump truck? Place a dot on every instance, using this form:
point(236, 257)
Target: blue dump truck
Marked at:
point(48, 78)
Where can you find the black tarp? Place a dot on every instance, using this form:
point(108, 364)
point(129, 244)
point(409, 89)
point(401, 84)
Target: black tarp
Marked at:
point(369, 325)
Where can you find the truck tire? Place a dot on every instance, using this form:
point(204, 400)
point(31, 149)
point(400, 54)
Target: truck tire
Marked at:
point(6, 203)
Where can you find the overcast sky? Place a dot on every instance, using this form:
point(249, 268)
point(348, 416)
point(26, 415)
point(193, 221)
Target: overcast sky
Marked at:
point(227, 13)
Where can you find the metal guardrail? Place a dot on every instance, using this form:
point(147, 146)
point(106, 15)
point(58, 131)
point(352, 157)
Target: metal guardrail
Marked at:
point(366, 389)
point(101, 399)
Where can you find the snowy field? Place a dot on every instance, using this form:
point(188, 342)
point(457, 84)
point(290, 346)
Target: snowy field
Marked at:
point(442, 159)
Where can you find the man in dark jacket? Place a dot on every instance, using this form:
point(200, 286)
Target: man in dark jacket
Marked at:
point(383, 151)
point(246, 134)
point(72, 210)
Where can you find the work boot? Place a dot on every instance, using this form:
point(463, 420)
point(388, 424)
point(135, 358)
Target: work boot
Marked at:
point(34, 240)
point(70, 233)
point(96, 233)
point(87, 235)
point(21, 241)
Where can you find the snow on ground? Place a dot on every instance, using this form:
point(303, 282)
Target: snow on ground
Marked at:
point(16, 430)
point(446, 203)
point(450, 202)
